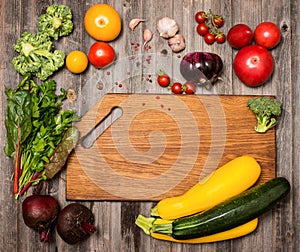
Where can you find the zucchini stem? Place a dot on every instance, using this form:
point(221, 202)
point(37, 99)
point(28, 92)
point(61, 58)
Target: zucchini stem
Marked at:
point(154, 212)
point(154, 225)
point(166, 228)
point(145, 223)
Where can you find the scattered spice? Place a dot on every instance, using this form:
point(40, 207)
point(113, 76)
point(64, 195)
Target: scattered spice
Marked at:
point(100, 85)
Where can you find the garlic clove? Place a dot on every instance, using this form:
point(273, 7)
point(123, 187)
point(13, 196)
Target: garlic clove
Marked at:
point(134, 22)
point(167, 27)
point(147, 36)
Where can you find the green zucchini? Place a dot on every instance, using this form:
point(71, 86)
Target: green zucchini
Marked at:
point(233, 212)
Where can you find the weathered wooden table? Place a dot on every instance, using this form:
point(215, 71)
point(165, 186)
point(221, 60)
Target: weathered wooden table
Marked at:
point(278, 229)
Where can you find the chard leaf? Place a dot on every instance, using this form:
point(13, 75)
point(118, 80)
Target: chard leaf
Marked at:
point(18, 115)
point(62, 151)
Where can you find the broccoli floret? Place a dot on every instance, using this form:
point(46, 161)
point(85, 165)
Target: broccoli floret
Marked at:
point(57, 21)
point(266, 110)
point(36, 56)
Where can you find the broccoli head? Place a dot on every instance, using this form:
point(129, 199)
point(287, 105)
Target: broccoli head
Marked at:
point(57, 21)
point(36, 56)
point(266, 110)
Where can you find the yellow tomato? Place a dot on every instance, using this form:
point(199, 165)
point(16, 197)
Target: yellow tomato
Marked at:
point(102, 22)
point(76, 61)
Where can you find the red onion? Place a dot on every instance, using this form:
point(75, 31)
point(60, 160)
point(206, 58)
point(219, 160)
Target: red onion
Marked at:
point(39, 213)
point(201, 68)
point(75, 223)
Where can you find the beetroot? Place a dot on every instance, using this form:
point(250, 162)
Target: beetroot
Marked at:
point(39, 213)
point(75, 223)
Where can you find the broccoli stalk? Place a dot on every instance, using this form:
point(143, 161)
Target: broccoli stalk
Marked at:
point(57, 21)
point(266, 110)
point(36, 56)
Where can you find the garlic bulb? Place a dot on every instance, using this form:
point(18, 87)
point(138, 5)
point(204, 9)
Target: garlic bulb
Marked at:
point(177, 43)
point(167, 27)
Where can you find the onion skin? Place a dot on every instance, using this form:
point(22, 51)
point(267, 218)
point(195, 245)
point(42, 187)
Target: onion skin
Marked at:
point(75, 223)
point(201, 67)
point(39, 213)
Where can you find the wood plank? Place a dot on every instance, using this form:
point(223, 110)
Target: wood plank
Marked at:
point(161, 138)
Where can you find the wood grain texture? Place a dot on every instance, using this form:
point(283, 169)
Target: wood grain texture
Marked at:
point(278, 229)
point(161, 145)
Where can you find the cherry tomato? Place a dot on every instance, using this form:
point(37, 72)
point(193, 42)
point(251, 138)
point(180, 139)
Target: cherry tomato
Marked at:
point(220, 38)
point(177, 88)
point(202, 29)
point(209, 38)
point(200, 17)
point(267, 34)
point(218, 20)
point(101, 54)
point(163, 79)
point(189, 87)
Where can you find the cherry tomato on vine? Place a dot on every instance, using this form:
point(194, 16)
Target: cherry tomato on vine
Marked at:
point(209, 38)
point(220, 38)
point(189, 87)
point(163, 79)
point(200, 17)
point(101, 54)
point(218, 20)
point(177, 88)
point(202, 29)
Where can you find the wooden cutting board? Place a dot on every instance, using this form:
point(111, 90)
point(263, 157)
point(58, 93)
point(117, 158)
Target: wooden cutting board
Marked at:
point(161, 145)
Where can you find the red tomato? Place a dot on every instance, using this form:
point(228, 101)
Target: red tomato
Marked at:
point(218, 20)
point(209, 38)
point(200, 17)
point(253, 65)
point(202, 29)
point(239, 36)
point(267, 34)
point(163, 79)
point(220, 38)
point(101, 55)
point(189, 87)
point(177, 88)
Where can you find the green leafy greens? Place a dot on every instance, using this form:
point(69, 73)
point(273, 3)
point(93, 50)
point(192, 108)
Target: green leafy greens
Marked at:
point(37, 111)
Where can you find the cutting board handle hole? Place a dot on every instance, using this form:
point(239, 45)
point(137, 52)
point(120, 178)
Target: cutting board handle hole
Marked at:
point(88, 140)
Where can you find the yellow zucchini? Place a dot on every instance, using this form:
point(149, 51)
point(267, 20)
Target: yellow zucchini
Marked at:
point(236, 232)
point(225, 182)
